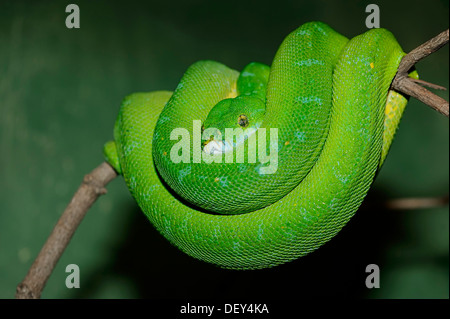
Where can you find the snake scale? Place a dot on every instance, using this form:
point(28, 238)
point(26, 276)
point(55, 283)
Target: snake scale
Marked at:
point(328, 103)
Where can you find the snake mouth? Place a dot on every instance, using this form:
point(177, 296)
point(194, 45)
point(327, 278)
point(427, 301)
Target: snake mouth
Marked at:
point(214, 147)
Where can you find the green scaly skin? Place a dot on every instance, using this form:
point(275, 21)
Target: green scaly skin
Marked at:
point(327, 98)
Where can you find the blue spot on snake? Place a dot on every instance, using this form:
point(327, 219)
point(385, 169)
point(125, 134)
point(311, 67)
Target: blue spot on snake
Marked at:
point(309, 99)
point(309, 62)
point(184, 172)
point(303, 32)
point(224, 181)
point(130, 147)
point(163, 119)
point(300, 136)
point(242, 168)
point(246, 73)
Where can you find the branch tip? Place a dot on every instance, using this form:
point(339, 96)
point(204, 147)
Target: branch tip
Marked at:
point(412, 87)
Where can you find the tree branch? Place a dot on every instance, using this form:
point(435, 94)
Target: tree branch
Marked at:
point(91, 188)
point(409, 86)
point(416, 203)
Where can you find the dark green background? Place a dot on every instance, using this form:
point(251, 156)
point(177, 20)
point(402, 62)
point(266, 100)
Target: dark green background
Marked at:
point(60, 90)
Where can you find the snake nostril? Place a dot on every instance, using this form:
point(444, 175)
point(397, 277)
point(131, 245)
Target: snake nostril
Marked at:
point(243, 120)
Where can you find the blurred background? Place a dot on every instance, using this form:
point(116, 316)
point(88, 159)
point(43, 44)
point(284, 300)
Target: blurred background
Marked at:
point(60, 91)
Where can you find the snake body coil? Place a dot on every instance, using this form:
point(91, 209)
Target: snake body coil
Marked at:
point(328, 99)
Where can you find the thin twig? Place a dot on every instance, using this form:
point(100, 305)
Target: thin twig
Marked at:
point(430, 85)
point(422, 51)
point(409, 86)
point(90, 189)
point(416, 203)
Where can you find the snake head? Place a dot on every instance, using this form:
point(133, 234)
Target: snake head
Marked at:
point(230, 122)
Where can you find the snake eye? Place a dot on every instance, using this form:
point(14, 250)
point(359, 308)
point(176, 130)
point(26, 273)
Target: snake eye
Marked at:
point(243, 120)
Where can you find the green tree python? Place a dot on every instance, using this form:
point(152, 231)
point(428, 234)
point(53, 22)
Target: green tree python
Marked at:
point(253, 169)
